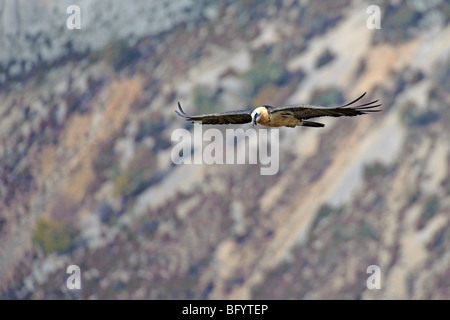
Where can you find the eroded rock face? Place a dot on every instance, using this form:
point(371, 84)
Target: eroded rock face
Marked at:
point(35, 32)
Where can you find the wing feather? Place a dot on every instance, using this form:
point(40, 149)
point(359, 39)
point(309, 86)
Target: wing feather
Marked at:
point(305, 111)
point(230, 117)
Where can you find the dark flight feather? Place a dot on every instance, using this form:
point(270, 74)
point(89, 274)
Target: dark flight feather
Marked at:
point(230, 117)
point(304, 111)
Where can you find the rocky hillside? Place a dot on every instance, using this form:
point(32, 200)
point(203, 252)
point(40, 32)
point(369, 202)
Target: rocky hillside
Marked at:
point(86, 176)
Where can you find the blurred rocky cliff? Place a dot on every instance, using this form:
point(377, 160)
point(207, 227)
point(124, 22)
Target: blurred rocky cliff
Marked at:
point(86, 176)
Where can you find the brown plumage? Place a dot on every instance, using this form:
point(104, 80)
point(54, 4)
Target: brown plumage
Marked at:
point(285, 116)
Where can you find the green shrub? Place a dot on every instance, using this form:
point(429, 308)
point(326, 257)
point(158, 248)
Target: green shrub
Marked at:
point(374, 170)
point(264, 72)
point(429, 210)
point(140, 174)
point(330, 97)
point(400, 22)
point(117, 53)
point(325, 58)
point(53, 236)
point(203, 102)
point(413, 117)
point(324, 212)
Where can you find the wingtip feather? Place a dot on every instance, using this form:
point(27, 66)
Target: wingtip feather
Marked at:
point(354, 101)
point(179, 108)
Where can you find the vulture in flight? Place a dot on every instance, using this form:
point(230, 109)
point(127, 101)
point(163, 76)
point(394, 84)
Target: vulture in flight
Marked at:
point(285, 116)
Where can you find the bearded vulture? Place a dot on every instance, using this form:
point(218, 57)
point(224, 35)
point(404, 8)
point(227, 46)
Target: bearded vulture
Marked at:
point(285, 116)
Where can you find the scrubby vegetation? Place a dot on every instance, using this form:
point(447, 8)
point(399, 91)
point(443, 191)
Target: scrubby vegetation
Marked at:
point(203, 102)
point(328, 97)
point(403, 20)
point(325, 58)
point(413, 117)
point(326, 211)
point(137, 176)
point(430, 208)
point(264, 72)
point(118, 53)
point(53, 236)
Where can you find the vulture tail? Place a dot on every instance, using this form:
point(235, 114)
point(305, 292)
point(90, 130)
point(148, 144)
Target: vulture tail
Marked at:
point(312, 124)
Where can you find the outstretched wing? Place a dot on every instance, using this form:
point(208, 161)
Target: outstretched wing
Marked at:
point(231, 117)
point(304, 111)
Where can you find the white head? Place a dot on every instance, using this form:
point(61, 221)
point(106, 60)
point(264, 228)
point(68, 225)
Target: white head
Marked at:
point(256, 115)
